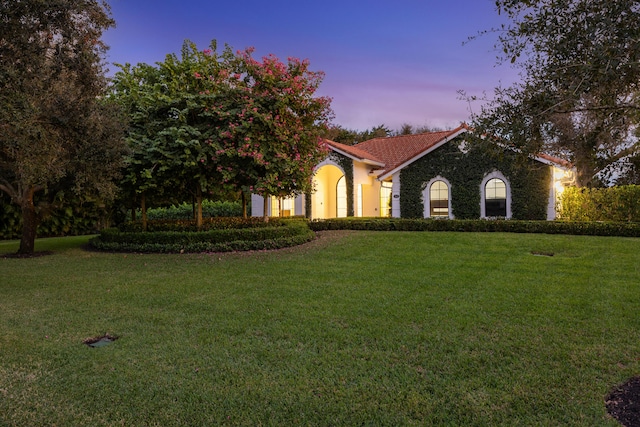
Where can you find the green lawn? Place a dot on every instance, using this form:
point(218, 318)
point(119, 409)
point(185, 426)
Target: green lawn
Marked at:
point(364, 328)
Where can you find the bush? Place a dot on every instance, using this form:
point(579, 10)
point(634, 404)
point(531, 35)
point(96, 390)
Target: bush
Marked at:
point(75, 217)
point(184, 211)
point(508, 226)
point(620, 203)
point(218, 223)
point(273, 235)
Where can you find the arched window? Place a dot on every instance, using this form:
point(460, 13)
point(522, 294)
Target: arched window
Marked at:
point(436, 196)
point(341, 198)
point(439, 199)
point(495, 198)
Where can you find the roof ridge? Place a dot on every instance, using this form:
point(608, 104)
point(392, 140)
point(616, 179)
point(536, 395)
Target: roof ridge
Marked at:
point(447, 131)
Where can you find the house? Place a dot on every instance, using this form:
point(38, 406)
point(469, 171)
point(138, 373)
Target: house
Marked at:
point(429, 175)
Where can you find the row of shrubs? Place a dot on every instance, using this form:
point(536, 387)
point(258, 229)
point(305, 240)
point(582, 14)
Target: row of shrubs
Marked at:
point(185, 210)
point(624, 229)
point(275, 234)
point(79, 217)
point(237, 234)
point(216, 223)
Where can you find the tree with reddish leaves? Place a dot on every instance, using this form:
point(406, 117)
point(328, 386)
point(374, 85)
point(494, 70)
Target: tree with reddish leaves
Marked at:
point(274, 139)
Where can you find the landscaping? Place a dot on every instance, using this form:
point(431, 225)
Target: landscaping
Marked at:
point(353, 328)
point(215, 235)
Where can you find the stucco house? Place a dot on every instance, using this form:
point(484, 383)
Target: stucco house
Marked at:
point(429, 175)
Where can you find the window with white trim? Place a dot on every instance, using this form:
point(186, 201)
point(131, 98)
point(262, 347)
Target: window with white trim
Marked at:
point(439, 199)
point(282, 206)
point(495, 198)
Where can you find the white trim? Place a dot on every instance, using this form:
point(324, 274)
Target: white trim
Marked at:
point(327, 162)
point(489, 176)
point(426, 197)
point(551, 163)
point(424, 153)
point(395, 196)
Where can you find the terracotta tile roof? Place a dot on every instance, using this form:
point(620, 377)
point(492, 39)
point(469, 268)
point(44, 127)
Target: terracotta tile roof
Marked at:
point(389, 153)
point(398, 150)
point(356, 152)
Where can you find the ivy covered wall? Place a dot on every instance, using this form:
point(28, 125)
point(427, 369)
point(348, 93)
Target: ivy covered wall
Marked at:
point(347, 166)
point(529, 180)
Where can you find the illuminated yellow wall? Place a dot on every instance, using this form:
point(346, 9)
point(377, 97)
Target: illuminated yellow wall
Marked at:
point(323, 202)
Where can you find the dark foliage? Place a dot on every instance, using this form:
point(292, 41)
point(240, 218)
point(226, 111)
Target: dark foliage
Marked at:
point(529, 180)
point(222, 235)
point(479, 225)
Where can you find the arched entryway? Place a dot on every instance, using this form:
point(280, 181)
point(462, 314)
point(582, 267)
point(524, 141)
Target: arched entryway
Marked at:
point(330, 196)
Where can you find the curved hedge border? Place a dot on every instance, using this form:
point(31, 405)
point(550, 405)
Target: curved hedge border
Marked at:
point(623, 229)
point(278, 235)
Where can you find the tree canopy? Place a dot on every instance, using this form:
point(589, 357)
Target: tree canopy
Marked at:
point(580, 69)
point(58, 134)
point(215, 122)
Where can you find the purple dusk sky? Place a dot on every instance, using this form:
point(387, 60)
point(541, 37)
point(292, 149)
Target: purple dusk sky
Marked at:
point(386, 62)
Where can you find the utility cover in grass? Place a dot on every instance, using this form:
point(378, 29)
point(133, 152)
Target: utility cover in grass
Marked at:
point(100, 341)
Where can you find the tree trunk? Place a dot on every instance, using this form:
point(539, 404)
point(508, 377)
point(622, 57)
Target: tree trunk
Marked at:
point(199, 206)
point(143, 209)
point(29, 224)
point(244, 205)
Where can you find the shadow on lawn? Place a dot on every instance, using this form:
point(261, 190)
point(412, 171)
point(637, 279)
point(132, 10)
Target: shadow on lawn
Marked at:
point(32, 255)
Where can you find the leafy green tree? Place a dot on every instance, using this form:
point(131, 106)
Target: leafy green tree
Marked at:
point(172, 133)
point(350, 137)
point(580, 67)
point(58, 134)
point(405, 129)
point(212, 122)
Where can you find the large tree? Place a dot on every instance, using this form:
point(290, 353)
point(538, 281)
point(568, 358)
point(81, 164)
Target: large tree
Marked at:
point(57, 133)
point(214, 122)
point(580, 68)
point(275, 137)
point(173, 127)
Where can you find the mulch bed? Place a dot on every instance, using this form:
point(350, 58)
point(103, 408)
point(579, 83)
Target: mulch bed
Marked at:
point(623, 403)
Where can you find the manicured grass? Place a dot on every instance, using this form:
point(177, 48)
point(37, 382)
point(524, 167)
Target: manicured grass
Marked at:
point(369, 328)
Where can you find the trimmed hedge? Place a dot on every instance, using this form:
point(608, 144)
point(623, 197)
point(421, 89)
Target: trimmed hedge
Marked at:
point(508, 226)
point(185, 210)
point(218, 223)
point(278, 235)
